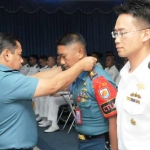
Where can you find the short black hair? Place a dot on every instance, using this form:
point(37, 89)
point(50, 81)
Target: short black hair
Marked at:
point(53, 57)
point(8, 41)
point(34, 56)
point(71, 38)
point(43, 57)
point(98, 54)
point(109, 53)
point(113, 56)
point(139, 9)
point(25, 57)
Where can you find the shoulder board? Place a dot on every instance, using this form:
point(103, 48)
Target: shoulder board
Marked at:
point(92, 74)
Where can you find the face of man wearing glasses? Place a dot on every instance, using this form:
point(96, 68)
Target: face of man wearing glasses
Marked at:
point(129, 34)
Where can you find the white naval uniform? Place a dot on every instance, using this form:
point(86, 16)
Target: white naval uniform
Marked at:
point(52, 106)
point(33, 70)
point(118, 80)
point(133, 108)
point(44, 107)
point(24, 69)
point(40, 101)
point(113, 72)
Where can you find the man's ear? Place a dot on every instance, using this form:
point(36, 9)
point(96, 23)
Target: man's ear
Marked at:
point(6, 54)
point(81, 53)
point(146, 36)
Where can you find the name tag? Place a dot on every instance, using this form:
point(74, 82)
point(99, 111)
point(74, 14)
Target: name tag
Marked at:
point(78, 116)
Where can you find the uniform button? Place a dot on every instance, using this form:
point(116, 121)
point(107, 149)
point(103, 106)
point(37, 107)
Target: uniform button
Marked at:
point(133, 122)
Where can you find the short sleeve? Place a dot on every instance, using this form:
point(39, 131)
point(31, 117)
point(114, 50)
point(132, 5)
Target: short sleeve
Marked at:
point(15, 86)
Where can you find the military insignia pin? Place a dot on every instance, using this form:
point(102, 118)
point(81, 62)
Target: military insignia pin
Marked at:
point(92, 74)
point(140, 86)
point(84, 83)
point(84, 90)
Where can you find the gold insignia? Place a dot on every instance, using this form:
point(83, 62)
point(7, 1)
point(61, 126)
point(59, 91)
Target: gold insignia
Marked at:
point(140, 86)
point(135, 95)
point(104, 84)
point(84, 96)
point(33, 104)
point(83, 100)
point(81, 137)
point(92, 74)
point(84, 90)
point(133, 121)
point(84, 83)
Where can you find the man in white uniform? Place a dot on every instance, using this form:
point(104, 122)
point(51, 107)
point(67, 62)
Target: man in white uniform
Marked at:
point(40, 101)
point(52, 104)
point(110, 67)
point(51, 63)
point(132, 39)
point(25, 66)
point(34, 68)
point(98, 55)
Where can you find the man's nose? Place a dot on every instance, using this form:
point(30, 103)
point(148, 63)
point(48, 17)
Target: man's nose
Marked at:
point(62, 62)
point(22, 60)
point(117, 39)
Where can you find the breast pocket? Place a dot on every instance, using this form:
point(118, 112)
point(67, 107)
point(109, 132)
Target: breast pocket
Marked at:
point(134, 108)
point(85, 106)
point(135, 118)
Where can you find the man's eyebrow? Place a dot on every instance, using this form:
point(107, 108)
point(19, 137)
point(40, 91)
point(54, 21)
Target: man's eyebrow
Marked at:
point(119, 29)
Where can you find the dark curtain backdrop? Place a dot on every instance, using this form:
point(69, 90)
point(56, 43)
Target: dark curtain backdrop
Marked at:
point(39, 23)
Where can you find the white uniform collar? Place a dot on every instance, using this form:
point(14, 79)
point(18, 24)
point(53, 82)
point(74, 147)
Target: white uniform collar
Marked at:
point(45, 67)
point(54, 66)
point(35, 66)
point(138, 72)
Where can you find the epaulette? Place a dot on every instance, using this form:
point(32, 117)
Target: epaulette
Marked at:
point(92, 74)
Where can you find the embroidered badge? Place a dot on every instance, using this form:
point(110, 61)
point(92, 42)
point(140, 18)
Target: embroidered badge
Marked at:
point(104, 93)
